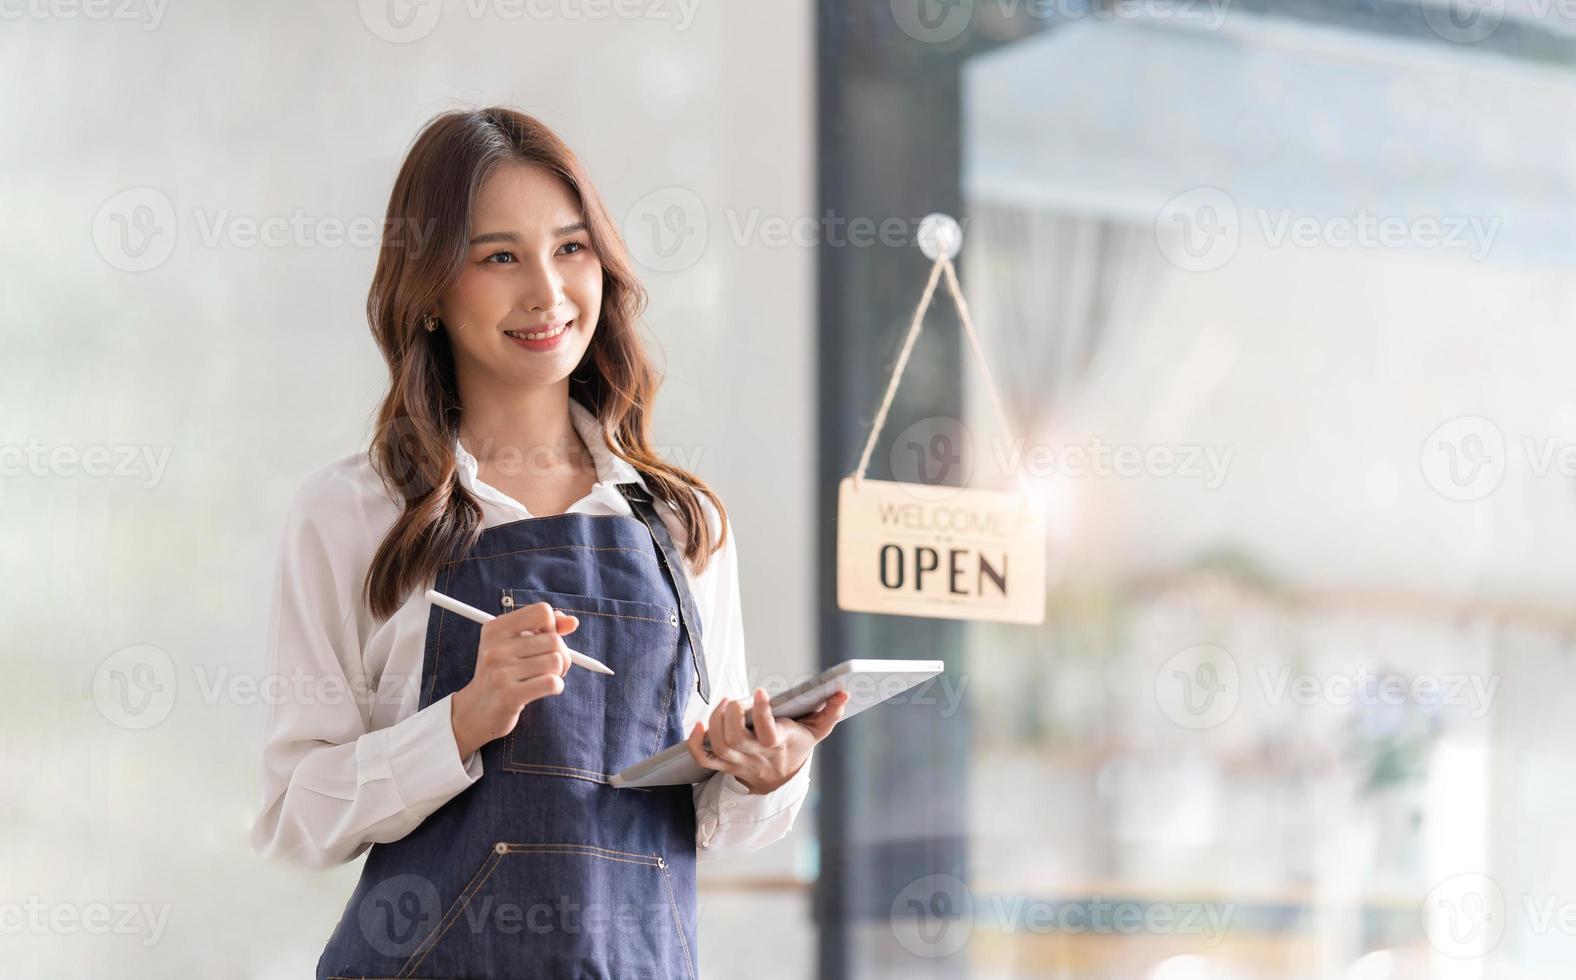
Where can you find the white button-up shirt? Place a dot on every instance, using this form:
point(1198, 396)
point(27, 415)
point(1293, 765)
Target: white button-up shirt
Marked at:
point(348, 758)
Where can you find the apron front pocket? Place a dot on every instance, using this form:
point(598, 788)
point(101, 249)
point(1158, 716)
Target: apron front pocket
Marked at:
point(600, 724)
point(561, 910)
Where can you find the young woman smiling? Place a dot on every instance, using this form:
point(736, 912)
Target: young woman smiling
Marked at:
point(512, 468)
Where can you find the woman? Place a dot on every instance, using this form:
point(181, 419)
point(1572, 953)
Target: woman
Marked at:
point(511, 468)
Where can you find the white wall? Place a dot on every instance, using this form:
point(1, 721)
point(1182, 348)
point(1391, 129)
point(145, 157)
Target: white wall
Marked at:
point(244, 366)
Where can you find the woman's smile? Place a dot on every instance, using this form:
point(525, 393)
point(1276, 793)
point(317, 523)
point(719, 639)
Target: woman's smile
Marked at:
point(542, 338)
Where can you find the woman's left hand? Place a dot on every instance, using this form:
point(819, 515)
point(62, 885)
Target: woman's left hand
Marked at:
point(768, 755)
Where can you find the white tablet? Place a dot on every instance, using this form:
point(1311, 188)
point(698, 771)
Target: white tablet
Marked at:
point(868, 682)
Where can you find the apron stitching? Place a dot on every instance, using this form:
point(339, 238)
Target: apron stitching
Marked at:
point(556, 775)
point(464, 899)
point(555, 547)
point(556, 517)
point(579, 850)
point(600, 612)
point(527, 766)
point(602, 779)
point(584, 850)
point(678, 925)
point(588, 847)
point(595, 612)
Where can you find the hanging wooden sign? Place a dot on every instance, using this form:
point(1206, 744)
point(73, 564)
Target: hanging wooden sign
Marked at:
point(969, 554)
point(920, 549)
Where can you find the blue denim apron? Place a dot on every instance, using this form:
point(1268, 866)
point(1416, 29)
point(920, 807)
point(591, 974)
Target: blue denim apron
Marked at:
point(541, 869)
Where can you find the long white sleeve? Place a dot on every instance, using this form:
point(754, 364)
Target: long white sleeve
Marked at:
point(332, 783)
point(729, 819)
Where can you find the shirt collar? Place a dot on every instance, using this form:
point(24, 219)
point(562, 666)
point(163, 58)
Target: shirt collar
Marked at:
point(610, 469)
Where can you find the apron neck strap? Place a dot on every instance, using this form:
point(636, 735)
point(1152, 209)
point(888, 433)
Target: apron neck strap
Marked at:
point(641, 502)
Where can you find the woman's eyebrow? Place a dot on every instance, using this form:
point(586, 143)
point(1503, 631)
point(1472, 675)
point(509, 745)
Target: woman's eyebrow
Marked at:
point(509, 236)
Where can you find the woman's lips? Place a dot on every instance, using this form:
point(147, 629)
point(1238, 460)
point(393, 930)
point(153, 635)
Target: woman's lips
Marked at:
point(545, 338)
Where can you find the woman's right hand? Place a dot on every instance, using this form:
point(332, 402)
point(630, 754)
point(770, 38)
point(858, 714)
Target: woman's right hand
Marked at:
point(512, 670)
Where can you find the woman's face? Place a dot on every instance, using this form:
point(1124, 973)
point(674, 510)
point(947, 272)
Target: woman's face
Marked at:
point(529, 270)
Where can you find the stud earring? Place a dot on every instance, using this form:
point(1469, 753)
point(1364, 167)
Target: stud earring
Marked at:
point(429, 321)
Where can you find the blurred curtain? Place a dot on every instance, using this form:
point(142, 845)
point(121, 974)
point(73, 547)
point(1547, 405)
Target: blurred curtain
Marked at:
point(1049, 291)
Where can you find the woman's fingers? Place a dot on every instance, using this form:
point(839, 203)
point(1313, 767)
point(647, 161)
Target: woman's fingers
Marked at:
point(726, 723)
point(521, 657)
point(554, 662)
point(766, 730)
point(697, 747)
point(734, 745)
point(823, 721)
point(526, 647)
point(526, 619)
point(740, 736)
point(540, 686)
point(532, 620)
point(520, 647)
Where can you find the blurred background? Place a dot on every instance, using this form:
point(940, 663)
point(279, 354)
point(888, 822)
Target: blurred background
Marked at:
point(1275, 294)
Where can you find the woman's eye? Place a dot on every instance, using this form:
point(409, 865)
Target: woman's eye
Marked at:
point(509, 258)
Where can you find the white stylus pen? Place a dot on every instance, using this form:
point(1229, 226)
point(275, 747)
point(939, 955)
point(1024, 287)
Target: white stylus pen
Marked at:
point(478, 616)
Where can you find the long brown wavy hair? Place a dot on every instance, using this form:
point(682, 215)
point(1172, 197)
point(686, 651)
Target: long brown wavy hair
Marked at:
point(421, 256)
